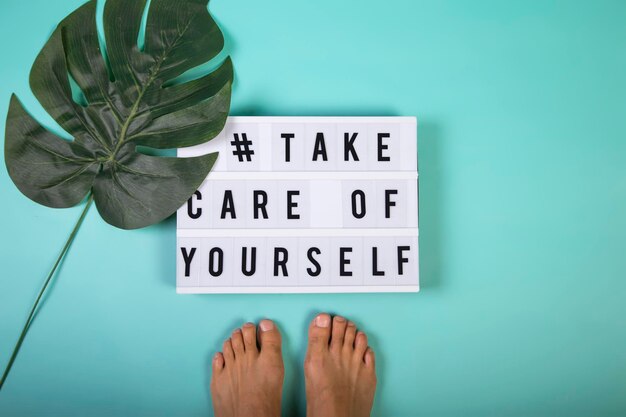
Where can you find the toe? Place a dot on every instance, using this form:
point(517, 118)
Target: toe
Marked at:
point(218, 363)
point(237, 341)
point(338, 333)
point(348, 340)
point(360, 345)
point(229, 354)
point(369, 358)
point(319, 333)
point(249, 337)
point(269, 338)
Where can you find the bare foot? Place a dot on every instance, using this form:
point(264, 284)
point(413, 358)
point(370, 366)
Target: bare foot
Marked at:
point(248, 381)
point(338, 370)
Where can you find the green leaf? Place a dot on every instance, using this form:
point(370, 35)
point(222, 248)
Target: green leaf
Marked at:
point(133, 100)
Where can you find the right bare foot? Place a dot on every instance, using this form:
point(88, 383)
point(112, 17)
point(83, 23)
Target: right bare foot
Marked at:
point(339, 370)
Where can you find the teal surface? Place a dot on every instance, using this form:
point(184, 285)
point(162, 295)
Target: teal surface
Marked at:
point(522, 141)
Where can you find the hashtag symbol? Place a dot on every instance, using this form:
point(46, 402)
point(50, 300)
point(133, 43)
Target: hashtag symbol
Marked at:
point(242, 147)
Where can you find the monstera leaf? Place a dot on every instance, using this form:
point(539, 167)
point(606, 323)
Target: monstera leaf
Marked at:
point(126, 98)
point(129, 102)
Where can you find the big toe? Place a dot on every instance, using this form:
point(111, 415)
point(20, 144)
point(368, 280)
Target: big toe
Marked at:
point(269, 339)
point(319, 333)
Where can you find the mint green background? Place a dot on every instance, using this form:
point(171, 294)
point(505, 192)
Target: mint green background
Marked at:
point(522, 140)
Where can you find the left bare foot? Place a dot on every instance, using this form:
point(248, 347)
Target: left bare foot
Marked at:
point(248, 381)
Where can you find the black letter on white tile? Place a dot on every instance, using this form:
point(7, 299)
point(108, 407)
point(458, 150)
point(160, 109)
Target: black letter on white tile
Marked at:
point(388, 202)
point(291, 205)
point(188, 257)
point(244, 259)
point(260, 205)
point(313, 272)
point(281, 261)
point(190, 212)
point(348, 146)
point(401, 259)
point(382, 147)
point(320, 147)
point(343, 262)
point(375, 270)
point(228, 205)
point(216, 272)
point(360, 214)
point(287, 137)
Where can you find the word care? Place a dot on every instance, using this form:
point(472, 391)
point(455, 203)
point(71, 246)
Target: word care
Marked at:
point(304, 204)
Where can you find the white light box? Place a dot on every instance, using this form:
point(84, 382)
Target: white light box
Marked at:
point(303, 205)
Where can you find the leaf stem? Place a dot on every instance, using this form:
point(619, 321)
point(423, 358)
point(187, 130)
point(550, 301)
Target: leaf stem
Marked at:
point(33, 310)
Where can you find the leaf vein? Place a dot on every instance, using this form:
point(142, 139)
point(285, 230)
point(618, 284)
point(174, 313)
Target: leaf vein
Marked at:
point(36, 144)
point(71, 177)
point(126, 191)
point(147, 174)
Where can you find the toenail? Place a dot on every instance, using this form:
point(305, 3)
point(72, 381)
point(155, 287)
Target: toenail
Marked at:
point(216, 357)
point(350, 324)
point(340, 319)
point(248, 324)
point(266, 325)
point(236, 331)
point(322, 320)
